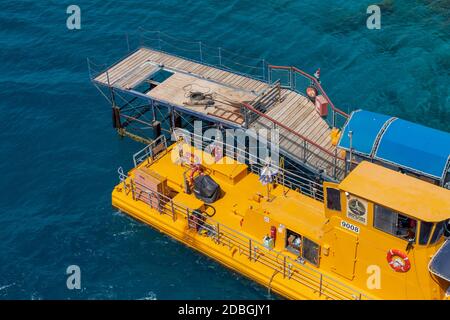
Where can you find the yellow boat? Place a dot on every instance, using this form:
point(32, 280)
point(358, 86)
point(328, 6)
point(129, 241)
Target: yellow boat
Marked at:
point(378, 234)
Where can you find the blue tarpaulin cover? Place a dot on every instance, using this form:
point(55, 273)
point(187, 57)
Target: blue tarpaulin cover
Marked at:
point(365, 126)
point(399, 142)
point(417, 147)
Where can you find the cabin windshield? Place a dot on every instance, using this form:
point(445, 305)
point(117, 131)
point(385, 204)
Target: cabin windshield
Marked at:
point(425, 232)
point(439, 230)
point(428, 235)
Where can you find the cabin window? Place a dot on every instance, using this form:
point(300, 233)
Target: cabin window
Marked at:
point(310, 251)
point(293, 241)
point(333, 199)
point(394, 223)
point(438, 232)
point(425, 232)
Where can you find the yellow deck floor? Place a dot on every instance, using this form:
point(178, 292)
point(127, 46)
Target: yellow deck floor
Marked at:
point(230, 210)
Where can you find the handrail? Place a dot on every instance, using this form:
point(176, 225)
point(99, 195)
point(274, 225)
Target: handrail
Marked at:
point(256, 251)
point(249, 107)
point(317, 83)
point(290, 179)
point(148, 151)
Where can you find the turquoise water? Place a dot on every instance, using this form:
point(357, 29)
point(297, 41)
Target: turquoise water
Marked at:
point(60, 155)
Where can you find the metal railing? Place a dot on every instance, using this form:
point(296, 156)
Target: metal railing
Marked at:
point(198, 51)
point(284, 177)
point(150, 151)
point(255, 251)
point(311, 152)
point(294, 79)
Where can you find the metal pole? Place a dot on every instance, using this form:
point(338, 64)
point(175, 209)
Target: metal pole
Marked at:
point(113, 100)
point(187, 214)
point(218, 239)
point(335, 163)
point(172, 118)
point(158, 203)
point(132, 189)
point(263, 69)
point(153, 110)
point(173, 210)
point(320, 287)
point(201, 53)
point(294, 81)
point(334, 118)
point(291, 84)
point(350, 136)
point(220, 56)
point(304, 150)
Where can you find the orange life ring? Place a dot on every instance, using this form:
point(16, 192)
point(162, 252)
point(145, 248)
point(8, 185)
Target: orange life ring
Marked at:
point(398, 260)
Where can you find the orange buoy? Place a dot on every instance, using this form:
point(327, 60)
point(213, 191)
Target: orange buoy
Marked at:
point(398, 260)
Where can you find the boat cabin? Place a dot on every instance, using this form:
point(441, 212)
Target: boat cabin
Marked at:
point(389, 221)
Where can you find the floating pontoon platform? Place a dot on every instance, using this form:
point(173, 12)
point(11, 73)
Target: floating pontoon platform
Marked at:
point(240, 101)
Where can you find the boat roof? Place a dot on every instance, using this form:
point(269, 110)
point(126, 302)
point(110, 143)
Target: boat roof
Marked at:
point(420, 149)
point(398, 191)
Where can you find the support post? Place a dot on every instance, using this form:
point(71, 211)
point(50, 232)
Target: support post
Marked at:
point(111, 90)
point(350, 136)
point(158, 203)
point(132, 189)
point(304, 150)
point(153, 110)
point(188, 218)
point(320, 286)
point(172, 119)
point(173, 211)
point(220, 56)
point(335, 163)
point(264, 69)
point(291, 80)
point(201, 53)
point(217, 234)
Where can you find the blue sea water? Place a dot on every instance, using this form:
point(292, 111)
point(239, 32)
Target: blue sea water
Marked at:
point(59, 154)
